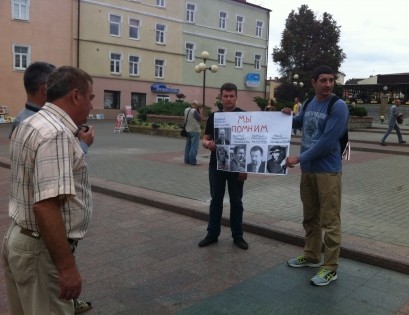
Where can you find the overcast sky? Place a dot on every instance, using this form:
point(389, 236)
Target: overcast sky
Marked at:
point(374, 35)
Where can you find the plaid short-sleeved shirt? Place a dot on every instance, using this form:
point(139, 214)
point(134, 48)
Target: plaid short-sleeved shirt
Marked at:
point(46, 162)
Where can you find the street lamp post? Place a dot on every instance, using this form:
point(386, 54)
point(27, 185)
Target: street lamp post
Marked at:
point(384, 104)
point(299, 86)
point(202, 67)
point(296, 82)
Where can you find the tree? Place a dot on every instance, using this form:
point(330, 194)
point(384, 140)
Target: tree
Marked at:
point(261, 102)
point(307, 43)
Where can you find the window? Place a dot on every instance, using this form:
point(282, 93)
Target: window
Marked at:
point(190, 48)
point(160, 3)
point(134, 28)
point(114, 25)
point(159, 68)
point(112, 99)
point(238, 59)
point(221, 56)
point(222, 20)
point(257, 62)
point(20, 9)
point(190, 12)
point(138, 100)
point(133, 65)
point(160, 33)
point(21, 57)
point(115, 63)
point(259, 28)
point(239, 24)
point(162, 98)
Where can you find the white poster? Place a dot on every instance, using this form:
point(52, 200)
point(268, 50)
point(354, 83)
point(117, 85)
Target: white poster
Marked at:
point(252, 142)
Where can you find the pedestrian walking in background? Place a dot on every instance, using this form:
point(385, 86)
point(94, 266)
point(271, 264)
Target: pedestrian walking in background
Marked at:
point(193, 117)
point(296, 110)
point(393, 124)
point(321, 169)
point(271, 106)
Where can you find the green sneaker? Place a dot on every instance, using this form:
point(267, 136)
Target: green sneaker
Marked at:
point(300, 261)
point(324, 277)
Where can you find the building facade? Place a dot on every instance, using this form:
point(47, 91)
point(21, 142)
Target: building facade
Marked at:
point(138, 51)
point(377, 88)
point(31, 31)
point(141, 52)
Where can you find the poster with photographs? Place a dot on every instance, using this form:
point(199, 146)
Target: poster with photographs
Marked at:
point(252, 142)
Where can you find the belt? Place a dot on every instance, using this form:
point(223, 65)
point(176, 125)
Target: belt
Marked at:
point(30, 233)
point(73, 243)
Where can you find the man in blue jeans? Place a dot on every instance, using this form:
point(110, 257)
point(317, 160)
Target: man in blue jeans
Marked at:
point(218, 179)
point(193, 116)
point(393, 124)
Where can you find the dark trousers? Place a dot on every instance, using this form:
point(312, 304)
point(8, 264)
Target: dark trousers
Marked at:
point(217, 180)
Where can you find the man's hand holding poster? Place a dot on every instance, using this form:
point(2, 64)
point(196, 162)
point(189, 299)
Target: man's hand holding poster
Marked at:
point(252, 142)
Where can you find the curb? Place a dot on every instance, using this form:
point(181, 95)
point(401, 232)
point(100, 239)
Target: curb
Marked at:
point(199, 210)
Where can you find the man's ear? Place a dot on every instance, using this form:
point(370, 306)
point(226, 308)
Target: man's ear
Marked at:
point(75, 96)
point(44, 89)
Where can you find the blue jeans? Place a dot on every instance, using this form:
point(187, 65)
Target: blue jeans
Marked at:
point(191, 147)
point(217, 180)
point(388, 132)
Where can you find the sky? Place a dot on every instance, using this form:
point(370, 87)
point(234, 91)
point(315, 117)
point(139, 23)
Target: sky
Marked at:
point(374, 35)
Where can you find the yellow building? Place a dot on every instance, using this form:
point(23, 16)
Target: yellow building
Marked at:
point(31, 31)
point(139, 52)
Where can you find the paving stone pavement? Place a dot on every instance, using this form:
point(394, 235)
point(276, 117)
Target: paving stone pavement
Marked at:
point(375, 220)
point(141, 260)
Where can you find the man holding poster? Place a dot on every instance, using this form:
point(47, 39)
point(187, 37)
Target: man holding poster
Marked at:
point(218, 179)
point(321, 167)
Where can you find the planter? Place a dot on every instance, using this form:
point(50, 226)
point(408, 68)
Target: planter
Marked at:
point(147, 130)
point(165, 132)
point(356, 122)
point(160, 119)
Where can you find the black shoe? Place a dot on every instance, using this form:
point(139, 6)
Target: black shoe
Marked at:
point(383, 144)
point(240, 242)
point(207, 241)
point(403, 141)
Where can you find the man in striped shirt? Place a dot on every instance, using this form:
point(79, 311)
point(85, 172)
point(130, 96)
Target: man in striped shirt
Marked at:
point(50, 200)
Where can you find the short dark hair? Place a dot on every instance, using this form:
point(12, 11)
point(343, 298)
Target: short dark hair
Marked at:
point(66, 79)
point(35, 75)
point(228, 87)
point(256, 148)
point(321, 70)
point(238, 147)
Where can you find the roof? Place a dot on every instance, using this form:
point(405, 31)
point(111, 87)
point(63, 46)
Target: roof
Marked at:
point(253, 5)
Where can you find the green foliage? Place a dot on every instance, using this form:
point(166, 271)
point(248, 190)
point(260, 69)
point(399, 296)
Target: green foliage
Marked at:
point(287, 92)
point(261, 102)
point(155, 125)
point(306, 43)
point(280, 104)
point(218, 104)
point(163, 108)
point(357, 111)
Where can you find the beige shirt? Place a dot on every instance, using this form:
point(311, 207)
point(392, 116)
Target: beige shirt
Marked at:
point(192, 120)
point(47, 162)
